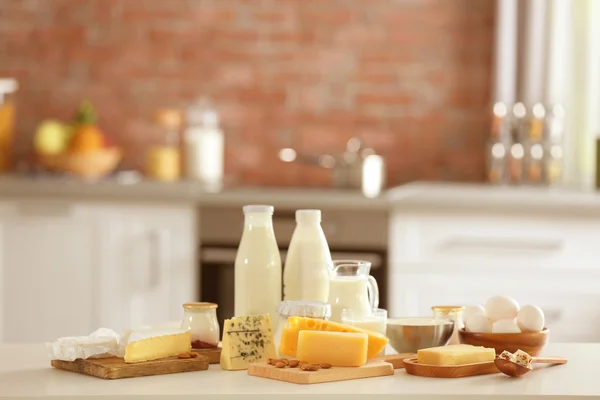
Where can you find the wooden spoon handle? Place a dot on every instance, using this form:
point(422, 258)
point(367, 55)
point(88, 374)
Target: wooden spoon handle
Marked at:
point(549, 360)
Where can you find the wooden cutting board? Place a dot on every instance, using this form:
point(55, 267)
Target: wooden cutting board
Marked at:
point(374, 367)
point(449, 371)
point(213, 355)
point(117, 368)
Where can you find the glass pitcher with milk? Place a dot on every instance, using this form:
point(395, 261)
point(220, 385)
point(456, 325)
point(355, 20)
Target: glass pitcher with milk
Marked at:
point(352, 288)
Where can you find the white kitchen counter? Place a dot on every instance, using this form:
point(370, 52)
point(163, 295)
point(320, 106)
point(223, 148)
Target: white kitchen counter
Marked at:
point(420, 194)
point(124, 190)
point(25, 373)
point(495, 199)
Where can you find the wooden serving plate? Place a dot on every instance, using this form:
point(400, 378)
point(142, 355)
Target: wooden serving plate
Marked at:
point(449, 371)
point(377, 366)
point(117, 368)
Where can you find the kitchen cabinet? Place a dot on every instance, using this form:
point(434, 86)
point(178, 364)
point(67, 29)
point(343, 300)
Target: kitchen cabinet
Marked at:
point(47, 267)
point(67, 267)
point(463, 252)
point(149, 265)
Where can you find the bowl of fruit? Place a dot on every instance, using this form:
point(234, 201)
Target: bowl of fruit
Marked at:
point(80, 149)
point(504, 325)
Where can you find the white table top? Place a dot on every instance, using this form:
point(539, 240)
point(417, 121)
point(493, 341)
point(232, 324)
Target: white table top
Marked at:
point(25, 373)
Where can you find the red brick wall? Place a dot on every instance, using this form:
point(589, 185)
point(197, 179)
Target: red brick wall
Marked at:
point(411, 77)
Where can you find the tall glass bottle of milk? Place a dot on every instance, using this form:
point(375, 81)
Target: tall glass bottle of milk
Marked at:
point(308, 262)
point(257, 265)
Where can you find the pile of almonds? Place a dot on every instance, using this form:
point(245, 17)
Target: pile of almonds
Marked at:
point(284, 362)
point(188, 355)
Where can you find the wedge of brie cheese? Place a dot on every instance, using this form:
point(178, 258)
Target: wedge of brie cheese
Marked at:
point(151, 344)
point(246, 340)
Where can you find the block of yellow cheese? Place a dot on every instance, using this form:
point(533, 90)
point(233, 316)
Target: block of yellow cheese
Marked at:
point(289, 336)
point(458, 354)
point(339, 349)
point(151, 344)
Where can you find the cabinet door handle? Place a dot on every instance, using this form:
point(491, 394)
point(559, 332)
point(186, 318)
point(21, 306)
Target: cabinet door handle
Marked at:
point(552, 316)
point(155, 240)
point(551, 244)
point(44, 209)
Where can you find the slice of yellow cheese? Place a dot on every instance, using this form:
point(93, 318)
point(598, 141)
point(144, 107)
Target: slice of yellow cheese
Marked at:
point(151, 345)
point(459, 354)
point(340, 349)
point(289, 336)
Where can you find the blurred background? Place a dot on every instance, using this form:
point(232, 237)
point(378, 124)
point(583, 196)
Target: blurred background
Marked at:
point(435, 135)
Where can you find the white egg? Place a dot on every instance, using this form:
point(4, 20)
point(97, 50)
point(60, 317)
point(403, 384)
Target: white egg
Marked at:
point(505, 326)
point(531, 319)
point(479, 323)
point(470, 311)
point(501, 307)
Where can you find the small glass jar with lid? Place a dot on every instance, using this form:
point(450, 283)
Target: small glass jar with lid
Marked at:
point(201, 320)
point(453, 313)
point(163, 158)
point(289, 308)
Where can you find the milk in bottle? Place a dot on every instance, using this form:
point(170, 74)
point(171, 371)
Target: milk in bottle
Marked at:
point(308, 261)
point(257, 265)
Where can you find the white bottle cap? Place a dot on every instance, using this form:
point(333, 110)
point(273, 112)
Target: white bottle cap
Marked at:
point(308, 215)
point(251, 209)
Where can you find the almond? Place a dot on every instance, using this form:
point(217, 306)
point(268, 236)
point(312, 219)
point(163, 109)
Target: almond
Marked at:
point(184, 355)
point(279, 364)
point(193, 354)
point(310, 367)
point(325, 366)
point(293, 363)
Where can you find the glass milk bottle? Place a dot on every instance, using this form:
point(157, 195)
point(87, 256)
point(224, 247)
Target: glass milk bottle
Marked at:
point(257, 265)
point(308, 262)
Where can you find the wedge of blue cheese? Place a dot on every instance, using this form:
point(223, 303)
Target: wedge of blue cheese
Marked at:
point(246, 340)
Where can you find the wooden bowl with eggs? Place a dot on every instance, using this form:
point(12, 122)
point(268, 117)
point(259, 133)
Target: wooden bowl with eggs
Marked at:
point(530, 342)
point(503, 325)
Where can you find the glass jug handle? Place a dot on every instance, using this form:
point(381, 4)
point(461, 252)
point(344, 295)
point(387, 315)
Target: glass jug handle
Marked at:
point(373, 291)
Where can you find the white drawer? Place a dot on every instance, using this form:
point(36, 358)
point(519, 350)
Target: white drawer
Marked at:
point(495, 239)
point(572, 312)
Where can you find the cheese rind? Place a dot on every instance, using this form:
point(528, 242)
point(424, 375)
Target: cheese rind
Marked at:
point(339, 349)
point(149, 345)
point(459, 354)
point(294, 325)
point(245, 340)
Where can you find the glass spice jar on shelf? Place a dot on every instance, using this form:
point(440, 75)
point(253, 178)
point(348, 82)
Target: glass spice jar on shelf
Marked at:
point(163, 157)
point(201, 320)
point(8, 87)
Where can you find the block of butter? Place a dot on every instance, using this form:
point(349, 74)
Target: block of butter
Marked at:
point(339, 349)
point(458, 354)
